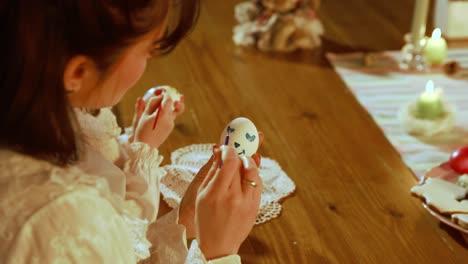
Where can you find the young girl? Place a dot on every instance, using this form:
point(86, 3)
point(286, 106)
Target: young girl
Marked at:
point(69, 191)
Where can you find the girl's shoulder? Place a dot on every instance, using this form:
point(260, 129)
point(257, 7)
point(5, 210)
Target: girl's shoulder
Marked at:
point(51, 213)
point(25, 175)
point(28, 185)
point(34, 193)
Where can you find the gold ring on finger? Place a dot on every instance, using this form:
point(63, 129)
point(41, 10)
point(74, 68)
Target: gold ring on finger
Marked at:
point(254, 184)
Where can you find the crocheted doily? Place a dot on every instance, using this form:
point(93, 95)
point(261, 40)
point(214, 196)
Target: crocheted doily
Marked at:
point(187, 161)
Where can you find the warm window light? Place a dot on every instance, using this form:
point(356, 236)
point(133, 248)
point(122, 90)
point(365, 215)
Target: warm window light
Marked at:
point(436, 34)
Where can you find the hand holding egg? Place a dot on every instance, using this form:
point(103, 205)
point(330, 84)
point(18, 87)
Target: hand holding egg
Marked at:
point(155, 115)
point(242, 135)
point(169, 91)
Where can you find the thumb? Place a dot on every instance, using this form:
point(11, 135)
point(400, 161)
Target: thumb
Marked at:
point(139, 108)
point(205, 168)
point(153, 104)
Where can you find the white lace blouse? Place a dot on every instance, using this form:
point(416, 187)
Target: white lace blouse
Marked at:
point(95, 212)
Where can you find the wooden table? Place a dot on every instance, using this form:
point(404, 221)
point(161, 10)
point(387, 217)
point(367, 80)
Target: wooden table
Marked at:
point(352, 203)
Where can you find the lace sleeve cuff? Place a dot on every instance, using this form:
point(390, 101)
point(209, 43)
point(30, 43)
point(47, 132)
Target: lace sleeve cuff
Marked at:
point(196, 256)
point(142, 178)
point(170, 246)
point(141, 156)
point(168, 239)
point(127, 148)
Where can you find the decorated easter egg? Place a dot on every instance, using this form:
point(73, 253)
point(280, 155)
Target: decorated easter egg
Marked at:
point(459, 160)
point(168, 90)
point(242, 135)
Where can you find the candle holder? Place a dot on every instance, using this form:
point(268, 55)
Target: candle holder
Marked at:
point(412, 58)
point(423, 127)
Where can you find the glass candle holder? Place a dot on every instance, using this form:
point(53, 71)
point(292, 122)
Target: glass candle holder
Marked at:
point(412, 56)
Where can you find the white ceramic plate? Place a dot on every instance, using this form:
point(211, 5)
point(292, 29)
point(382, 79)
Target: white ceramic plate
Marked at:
point(444, 172)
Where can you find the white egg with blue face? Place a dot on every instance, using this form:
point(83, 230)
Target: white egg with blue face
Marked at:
point(242, 135)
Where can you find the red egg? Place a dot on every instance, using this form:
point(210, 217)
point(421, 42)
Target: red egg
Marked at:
point(459, 160)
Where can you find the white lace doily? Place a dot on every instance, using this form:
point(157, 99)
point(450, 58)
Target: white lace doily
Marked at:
point(187, 161)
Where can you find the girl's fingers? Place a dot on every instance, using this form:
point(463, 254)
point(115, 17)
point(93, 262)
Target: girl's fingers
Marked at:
point(135, 117)
point(230, 167)
point(153, 104)
point(261, 136)
point(141, 106)
point(215, 162)
point(258, 159)
point(250, 179)
point(257, 194)
point(139, 109)
point(158, 91)
point(137, 104)
point(236, 181)
point(167, 104)
point(179, 106)
point(206, 167)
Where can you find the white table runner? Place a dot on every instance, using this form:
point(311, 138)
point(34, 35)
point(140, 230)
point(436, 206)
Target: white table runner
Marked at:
point(383, 89)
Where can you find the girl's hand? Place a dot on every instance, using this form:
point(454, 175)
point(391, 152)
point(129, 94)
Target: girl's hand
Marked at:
point(227, 204)
point(139, 109)
point(144, 119)
point(187, 205)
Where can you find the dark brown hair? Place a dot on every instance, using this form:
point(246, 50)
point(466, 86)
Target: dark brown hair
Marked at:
point(40, 36)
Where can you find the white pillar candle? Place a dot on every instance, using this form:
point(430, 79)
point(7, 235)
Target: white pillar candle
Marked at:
point(435, 50)
point(418, 27)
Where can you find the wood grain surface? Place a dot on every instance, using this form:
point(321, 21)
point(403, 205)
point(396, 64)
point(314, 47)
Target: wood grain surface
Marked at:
point(352, 203)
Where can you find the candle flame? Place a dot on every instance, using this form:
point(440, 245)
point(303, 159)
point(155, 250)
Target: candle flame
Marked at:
point(437, 33)
point(430, 87)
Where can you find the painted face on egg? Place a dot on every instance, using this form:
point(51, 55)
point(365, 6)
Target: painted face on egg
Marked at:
point(242, 135)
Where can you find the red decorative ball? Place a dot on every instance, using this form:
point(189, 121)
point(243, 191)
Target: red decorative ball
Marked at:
point(459, 160)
